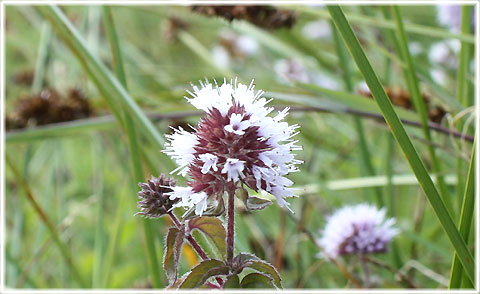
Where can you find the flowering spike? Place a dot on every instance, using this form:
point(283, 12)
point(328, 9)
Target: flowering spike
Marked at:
point(235, 142)
point(358, 229)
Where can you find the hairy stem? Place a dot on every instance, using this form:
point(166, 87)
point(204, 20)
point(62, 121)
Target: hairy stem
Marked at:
point(190, 239)
point(194, 243)
point(230, 225)
point(365, 271)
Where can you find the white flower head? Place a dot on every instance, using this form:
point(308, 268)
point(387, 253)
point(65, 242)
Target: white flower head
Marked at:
point(235, 143)
point(358, 229)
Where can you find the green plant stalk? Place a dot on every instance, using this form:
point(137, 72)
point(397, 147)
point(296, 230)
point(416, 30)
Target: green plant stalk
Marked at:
point(412, 81)
point(396, 256)
point(135, 155)
point(462, 89)
point(465, 223)
point(403, 139)
point(347, 77)
point(99, 73)
point(48, 223)
point(42, 57)
point(466, 214)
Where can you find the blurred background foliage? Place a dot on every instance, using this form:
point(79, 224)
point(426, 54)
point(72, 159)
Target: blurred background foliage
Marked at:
point(81, 176)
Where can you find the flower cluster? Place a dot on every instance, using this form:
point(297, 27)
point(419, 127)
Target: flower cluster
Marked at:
point(236, 142)
point(358, 229)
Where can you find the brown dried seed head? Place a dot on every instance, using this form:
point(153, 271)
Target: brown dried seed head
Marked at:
point(267, 17)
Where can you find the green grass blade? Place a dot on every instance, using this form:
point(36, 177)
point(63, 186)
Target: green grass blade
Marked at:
point(99, 73)
point(414, 88)
point(403, 139)
point(48, 223)
point(466, 220)
point(134, 147)
point(462, 89)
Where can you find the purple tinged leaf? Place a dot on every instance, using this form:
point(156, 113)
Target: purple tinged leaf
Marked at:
point(258, 280)
point(213, 228)
point(174, 242)
point(232, 282)
point(202, 272)
point(247, 260)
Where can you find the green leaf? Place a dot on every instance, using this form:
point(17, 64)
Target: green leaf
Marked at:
point(213, 228)
point(247, 260)
point(255, 203)
point(174, 242)
point(402, 139)
point(257, 280)
point(466, 220)
point(233, 282)
point(202, 272)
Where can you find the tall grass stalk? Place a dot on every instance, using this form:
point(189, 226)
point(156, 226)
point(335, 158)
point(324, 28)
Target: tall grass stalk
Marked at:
point(462, 90)
point(403, 139)
point(135, 155)
point(466, 192)
point(465, 223)
point(414, 88)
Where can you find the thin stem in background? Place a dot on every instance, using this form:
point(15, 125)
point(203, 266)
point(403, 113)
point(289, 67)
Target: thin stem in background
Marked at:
point(366, 272)
point(100, 123)
point(465, 223)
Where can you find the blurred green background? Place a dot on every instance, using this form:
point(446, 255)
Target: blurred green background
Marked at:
point(81, 176)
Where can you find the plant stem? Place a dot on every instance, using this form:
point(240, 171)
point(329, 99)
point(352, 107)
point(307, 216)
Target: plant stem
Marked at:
point(366, 273)
point(190, 239)
point(230, 225)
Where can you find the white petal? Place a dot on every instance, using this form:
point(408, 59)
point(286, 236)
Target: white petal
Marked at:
point(233, 168)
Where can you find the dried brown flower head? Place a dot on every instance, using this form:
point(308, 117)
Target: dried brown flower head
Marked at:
point(49, 106)
point(266, 17)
